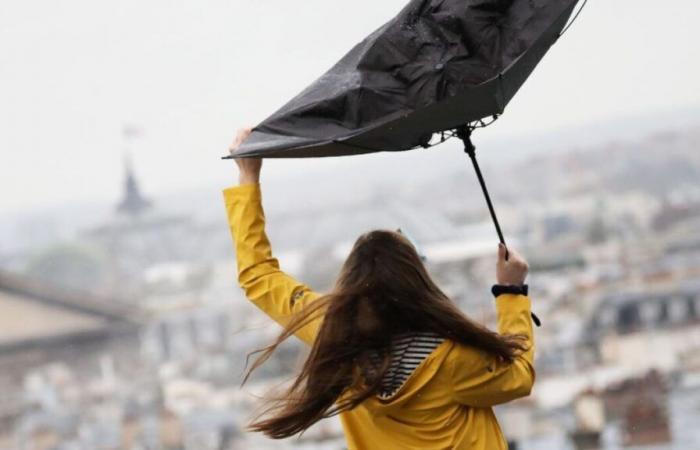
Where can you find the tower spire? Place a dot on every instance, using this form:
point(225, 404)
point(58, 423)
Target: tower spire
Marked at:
point(133, 202)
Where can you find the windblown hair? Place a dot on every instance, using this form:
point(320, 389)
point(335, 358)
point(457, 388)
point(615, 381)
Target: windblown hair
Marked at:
point(383, 289)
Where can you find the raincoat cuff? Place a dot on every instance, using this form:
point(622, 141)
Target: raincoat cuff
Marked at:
point(241, 191)
point(514, 303)
point(510, 303)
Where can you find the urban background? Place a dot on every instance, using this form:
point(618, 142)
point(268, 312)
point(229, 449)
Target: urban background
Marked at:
point(121, 323)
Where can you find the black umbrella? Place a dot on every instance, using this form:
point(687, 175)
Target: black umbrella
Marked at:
point(440, 66)
point(437, 65)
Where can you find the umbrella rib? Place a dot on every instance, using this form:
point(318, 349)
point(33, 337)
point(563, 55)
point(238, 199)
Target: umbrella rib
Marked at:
point(583, 5)
point(336, 141)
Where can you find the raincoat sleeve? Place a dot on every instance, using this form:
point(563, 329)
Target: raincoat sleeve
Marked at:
point(481, 380)
point(273, 291)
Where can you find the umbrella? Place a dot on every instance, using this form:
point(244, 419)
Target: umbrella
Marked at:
point(439, 66)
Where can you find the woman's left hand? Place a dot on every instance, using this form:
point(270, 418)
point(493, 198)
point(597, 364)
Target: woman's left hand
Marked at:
point(248, 168)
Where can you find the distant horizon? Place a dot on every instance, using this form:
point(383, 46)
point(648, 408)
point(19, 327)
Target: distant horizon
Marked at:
point(487, 140)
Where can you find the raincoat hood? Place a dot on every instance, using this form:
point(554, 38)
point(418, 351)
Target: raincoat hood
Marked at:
point(414, 385)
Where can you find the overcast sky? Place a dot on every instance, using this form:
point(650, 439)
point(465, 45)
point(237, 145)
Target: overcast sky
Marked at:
point(73, 72)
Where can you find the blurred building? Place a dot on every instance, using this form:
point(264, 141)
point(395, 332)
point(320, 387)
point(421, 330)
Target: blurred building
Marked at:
point(661, 325)
point(41, 325)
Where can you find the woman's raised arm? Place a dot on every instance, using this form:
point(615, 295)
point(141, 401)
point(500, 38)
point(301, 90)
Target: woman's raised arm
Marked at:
point(278, 294)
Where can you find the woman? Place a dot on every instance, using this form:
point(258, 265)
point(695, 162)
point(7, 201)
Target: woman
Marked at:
point(390, 352)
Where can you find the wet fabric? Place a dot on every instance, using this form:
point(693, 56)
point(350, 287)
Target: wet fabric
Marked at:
point(437, 65)
point(445, 403)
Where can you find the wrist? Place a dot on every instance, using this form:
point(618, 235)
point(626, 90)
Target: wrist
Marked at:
point(506, 280)
point(248, 179)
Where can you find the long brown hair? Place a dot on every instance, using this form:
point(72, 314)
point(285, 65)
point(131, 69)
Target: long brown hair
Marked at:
point(383, 289)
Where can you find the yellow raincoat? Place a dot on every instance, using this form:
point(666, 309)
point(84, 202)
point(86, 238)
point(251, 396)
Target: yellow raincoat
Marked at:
point(446, 402)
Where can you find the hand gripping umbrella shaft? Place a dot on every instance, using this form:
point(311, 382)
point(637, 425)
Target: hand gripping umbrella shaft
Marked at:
point(464, 133)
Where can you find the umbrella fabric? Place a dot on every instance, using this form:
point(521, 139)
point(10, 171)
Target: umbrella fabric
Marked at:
point(437, 65)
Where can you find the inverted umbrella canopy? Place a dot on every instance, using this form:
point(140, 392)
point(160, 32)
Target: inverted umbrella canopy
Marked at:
point(439, 64)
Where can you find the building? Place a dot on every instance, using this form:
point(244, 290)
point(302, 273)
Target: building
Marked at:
point(42, 325)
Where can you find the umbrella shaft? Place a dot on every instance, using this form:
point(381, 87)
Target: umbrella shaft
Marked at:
point(472, 155)
point(470, 150)
point(464, 133)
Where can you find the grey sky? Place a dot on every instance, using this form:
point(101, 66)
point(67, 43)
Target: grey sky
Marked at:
point(189, 72)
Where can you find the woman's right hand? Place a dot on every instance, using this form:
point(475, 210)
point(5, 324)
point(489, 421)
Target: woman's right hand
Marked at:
point(513, 271)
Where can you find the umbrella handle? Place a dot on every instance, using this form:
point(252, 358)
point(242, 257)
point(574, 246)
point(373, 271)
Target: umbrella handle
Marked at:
point(464, 133)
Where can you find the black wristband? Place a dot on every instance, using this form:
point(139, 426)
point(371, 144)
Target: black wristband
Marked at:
point(499, 289)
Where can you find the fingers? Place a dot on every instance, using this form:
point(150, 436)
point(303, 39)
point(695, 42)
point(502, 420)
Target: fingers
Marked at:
point(234, 145)
point(511, 271)
point(502, 253)
point(514, 259)
point(517, 259)
point(241, 136)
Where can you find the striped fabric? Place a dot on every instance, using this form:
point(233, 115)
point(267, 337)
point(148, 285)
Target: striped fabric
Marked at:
point(408, 351)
